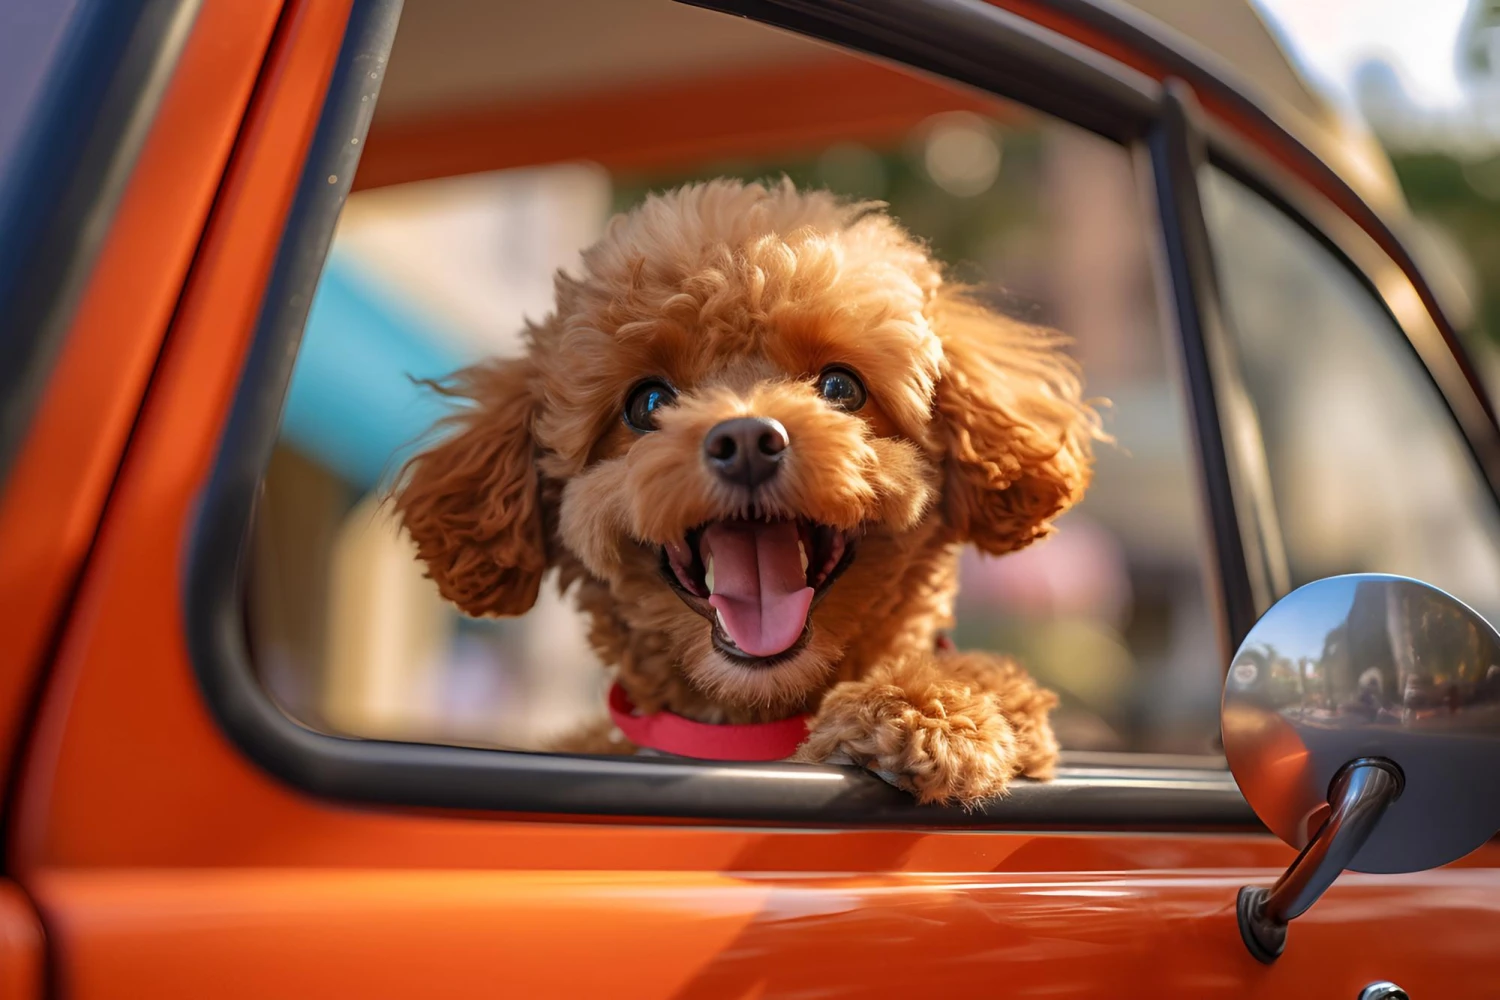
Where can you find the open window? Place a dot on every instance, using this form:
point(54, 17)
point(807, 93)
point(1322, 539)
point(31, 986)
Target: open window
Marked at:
point(427, 276)
point(333, 662)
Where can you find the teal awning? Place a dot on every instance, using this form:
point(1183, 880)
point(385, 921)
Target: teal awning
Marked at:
point(352, 405)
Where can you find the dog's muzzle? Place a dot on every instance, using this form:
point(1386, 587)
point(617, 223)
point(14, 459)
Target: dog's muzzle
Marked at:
point(745, 451)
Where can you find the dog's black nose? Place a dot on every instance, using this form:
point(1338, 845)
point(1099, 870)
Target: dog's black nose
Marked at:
point(745, 451)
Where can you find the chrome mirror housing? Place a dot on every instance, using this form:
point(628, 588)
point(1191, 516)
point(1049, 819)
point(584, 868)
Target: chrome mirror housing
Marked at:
point(1361, 720)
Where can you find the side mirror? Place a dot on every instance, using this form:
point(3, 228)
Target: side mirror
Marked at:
point(1361, 720)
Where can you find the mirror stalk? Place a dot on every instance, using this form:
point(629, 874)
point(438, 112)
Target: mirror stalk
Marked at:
point(1359, 796)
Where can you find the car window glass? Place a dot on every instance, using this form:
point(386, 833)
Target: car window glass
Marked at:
point(1368, 468)
point(426, 277)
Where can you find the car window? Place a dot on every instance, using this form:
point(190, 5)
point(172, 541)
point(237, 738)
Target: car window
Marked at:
point(1368, 468)
point(426, 277)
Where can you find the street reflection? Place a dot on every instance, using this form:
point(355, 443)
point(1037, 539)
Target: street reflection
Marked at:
point(1382, 653)
point(1370, 666)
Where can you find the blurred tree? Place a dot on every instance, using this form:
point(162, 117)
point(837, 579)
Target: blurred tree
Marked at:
point(1463, 198)
point(1479, 43)
point(1448, 160)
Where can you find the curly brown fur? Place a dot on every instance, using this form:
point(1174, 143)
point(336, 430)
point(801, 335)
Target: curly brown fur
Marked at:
point(951, 728)
point(739, 296)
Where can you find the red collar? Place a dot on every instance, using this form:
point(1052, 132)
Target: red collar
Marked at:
point(671, 733)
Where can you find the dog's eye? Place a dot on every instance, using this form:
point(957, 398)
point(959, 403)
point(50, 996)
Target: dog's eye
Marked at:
point(644, 403)
point(842, 388)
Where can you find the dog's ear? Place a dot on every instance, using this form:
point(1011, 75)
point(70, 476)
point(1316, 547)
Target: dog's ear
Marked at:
point(1019, 438)
point(473, 501)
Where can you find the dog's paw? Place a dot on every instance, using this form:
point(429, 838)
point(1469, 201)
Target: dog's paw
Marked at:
point(944, 739)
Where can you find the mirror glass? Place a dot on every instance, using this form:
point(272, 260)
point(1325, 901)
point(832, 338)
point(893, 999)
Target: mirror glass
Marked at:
point(1370, 666)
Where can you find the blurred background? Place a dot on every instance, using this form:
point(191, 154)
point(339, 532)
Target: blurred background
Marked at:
point(508, 133)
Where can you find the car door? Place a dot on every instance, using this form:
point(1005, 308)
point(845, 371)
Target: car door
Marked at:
point(182, 834)
point(116, 122)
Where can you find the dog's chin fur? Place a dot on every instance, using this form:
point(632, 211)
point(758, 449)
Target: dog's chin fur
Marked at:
point(778, 688)
point(738, 296)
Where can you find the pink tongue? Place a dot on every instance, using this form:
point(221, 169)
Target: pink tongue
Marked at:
point(760, 587)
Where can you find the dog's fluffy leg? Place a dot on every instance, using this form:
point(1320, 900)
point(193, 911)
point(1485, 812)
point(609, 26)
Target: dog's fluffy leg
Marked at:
point(949, 728)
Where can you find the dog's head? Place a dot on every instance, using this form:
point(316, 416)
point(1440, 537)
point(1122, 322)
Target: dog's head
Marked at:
point(750, 415)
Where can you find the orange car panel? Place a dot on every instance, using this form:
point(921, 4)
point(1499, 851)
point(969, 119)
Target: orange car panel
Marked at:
point(710, 935)
point(165, 863)
point(50, 507)
point(22, 960)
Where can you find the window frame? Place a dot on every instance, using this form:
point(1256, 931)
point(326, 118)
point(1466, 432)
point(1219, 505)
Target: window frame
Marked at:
point(1395, 295)
point(1238, 506)
point(1407, 302)
point(956, 39)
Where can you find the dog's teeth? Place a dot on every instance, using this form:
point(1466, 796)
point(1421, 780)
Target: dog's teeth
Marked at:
point(708, 575)
point(802, 552)
point(719, 617)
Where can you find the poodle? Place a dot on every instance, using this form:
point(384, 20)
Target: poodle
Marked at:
point(753, 436)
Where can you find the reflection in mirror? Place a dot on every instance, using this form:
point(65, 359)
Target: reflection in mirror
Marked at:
point(1371, 666)
point(1361, 720)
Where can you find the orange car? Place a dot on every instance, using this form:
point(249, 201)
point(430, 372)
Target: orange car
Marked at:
point(168, 195)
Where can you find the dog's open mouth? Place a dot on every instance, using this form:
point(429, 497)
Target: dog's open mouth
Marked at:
point(757, 581)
